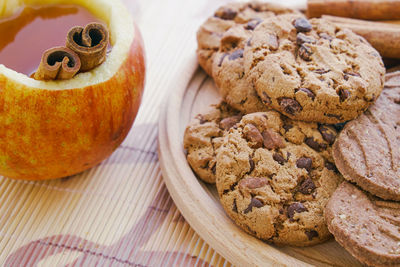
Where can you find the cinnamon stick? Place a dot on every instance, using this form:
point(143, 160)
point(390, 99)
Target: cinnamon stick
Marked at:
point(360, 9)
point(384, 37)
point(90, 43)
point(58, 63)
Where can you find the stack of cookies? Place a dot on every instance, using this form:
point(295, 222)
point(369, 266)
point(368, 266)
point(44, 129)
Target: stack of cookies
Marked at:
point(276, 148)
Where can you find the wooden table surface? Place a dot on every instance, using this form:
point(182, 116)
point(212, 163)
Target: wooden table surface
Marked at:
point(118, 213)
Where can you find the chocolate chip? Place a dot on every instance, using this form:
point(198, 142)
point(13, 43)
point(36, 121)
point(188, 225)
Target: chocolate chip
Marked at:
point(236, 54)
point(314, 144)
point(205, 166)
point(252, 24)
point(307, 186)
point(226, 14)
point(279, 158)
point(253, 182)
point(321, 71)
point(330, 166)
point(302, 38)
point(251, 162)
point(305, 52)
point(273, 42)
point(327, 135)
point(304, 163)
point(339, 126)
point(214, 168)
point(325, 36)
point(311, 234)
point(222, 59)
point(272, 140)
point(201, 119)
point(309, 93)
point(231, 188)
point(344, 94)
point(287, 127)
point(229, 122)
point(295, 207)
point(253, 203)
point(253, 136)
point(290, 106)
point(234, 208)
point(302, 25)
point(265, 98)
point(350, 73)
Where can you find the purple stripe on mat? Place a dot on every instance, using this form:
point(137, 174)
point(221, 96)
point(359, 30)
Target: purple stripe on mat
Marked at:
point(156, 213)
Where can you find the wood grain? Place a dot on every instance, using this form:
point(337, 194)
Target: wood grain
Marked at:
point(199, 203)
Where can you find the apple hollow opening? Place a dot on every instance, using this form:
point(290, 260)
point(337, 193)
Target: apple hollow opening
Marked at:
point(121, 29)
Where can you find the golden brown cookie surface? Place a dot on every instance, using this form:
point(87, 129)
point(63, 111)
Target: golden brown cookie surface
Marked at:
point(312, 70)
point(203, 137)
point(275, 176)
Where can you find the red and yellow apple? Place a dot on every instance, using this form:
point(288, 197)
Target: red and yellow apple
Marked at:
point(53, 129)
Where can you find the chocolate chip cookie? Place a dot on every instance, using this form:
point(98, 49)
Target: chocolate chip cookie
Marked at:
point(246, 14)
point(275, 176)
point(203, 137)
point(312, 70)
point(227, 67)
point(367, 151)
point(366, 226)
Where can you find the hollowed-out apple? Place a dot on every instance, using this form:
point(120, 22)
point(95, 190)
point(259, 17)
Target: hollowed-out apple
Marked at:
point(53, 129)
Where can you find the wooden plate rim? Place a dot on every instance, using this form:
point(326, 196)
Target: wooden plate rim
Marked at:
point(198, 209)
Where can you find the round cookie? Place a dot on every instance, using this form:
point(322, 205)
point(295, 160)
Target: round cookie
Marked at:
point(365, 226)
point(312, 70)
point(275, 176)
point(367, 151)
point(203, 137)
point(227, 16)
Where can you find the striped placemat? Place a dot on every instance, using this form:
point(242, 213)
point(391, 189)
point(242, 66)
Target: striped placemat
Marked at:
point(118, 213)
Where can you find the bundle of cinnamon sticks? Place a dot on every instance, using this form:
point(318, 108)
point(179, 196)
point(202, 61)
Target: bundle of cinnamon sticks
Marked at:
point(378, 21)
point(85, 49)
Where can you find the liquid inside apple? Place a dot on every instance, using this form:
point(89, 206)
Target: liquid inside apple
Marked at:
point(34, 29)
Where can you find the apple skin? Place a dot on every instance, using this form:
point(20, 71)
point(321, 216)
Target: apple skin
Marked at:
point(48, 134)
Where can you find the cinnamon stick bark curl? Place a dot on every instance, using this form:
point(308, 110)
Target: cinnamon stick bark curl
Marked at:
point(58, 63)
point(90, 43)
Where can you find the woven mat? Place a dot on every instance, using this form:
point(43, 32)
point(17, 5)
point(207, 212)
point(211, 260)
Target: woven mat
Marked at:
point(118, 213)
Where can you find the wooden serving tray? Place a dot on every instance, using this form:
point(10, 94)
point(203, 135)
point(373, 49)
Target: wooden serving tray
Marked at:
point(199, 203)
